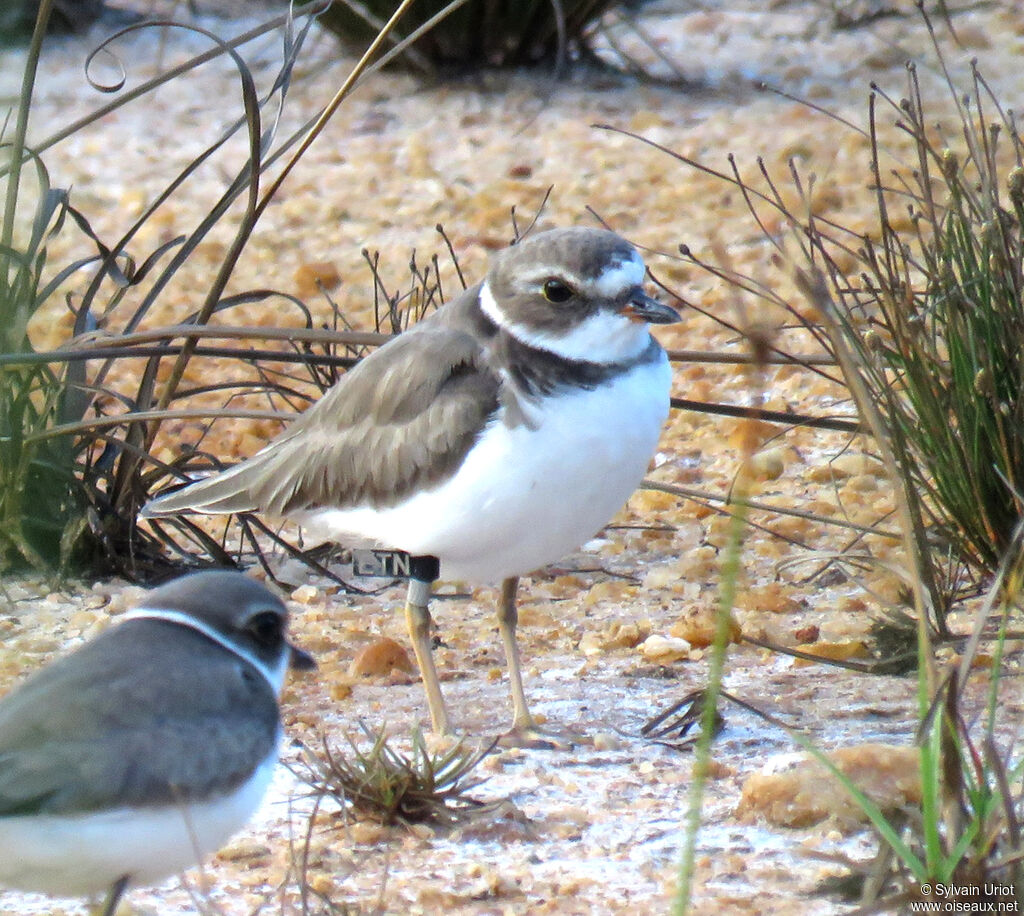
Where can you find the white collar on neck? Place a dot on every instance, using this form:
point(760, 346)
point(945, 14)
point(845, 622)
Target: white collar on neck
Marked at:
point(273, 676)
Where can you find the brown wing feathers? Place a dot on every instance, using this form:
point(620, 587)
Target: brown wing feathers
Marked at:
point(402, 419)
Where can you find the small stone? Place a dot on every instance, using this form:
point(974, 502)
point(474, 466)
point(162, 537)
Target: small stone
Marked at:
point(769, 463)
point(305, 594)
point(340, 690)
point(664, 649)
point(322, 885)
point(244, 850)
point(367, 833)
point(607, 741)
point(807, 634)
point(795, 790)
point(619, 635)
point(835, 651)
point(774, 597)
point(310, 278)
point(698, 624)
point(381, 657)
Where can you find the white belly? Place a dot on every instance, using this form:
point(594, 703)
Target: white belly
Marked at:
point(525, 497)
point(83, 855)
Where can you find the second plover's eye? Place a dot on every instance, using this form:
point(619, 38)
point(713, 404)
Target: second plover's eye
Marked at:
point(556, 291)
point(266, 628)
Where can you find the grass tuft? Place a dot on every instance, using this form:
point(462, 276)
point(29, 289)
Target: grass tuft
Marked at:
point(79, 431)
point(41, 506)
point(381, 783)
point(928, 307)
point(476, 33)
point(924, 315)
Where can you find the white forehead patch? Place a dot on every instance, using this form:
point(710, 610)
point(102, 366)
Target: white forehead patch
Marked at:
point(619, 277)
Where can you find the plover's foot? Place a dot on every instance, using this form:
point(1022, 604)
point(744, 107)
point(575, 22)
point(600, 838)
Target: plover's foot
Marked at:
point(539, 738)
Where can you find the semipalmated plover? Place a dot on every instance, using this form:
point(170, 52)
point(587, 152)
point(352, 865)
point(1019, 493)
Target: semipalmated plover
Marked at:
point(142, 751)
point(496, 435)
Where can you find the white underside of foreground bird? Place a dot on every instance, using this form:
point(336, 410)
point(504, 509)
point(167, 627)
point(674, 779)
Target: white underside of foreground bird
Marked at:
point(525, 495)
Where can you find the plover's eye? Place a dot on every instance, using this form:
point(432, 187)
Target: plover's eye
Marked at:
point(556, 291)
point(266, 628)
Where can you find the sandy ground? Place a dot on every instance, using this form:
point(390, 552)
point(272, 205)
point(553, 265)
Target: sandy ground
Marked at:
point(595, 829)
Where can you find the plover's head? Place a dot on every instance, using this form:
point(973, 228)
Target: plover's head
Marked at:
point(235, 611)
point(575, 292)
